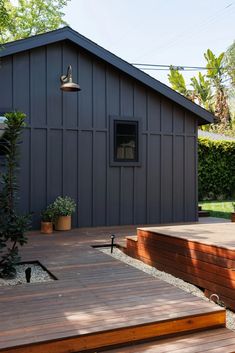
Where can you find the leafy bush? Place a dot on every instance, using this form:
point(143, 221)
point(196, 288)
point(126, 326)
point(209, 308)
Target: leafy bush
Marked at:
point(216, 169)
point(63, 206)
point(12, 225)
point(48, 215)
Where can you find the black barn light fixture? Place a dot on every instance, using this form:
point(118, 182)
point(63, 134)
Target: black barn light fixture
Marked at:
point(67, 84)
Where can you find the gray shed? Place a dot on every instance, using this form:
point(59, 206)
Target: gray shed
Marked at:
point(124, 147)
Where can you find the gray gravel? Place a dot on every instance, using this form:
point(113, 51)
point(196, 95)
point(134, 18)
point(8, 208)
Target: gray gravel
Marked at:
point(177, 282)
point(38, 274)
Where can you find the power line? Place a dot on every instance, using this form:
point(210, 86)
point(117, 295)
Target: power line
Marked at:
point(177, 67)
point(150, 67)
point(155, 67)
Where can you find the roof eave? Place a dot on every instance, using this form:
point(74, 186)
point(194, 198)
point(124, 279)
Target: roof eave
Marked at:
point(67, 33)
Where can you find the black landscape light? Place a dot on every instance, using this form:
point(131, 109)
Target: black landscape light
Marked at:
point(28, 274)
point(112, 242)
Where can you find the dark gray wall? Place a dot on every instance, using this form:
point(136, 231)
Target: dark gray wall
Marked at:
point(65, 148)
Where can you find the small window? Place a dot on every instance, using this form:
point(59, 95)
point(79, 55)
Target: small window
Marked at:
point(125, 141)
point(125, 138)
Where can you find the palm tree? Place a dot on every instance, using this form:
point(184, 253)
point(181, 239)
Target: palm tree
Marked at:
point(178, 83)
point(202, 91)
point(215, 73)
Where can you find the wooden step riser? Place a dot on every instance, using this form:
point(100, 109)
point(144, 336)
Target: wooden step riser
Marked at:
point(179, 267)
point(188, 244)
point(184, 265)
point(207, 270)
point(126, 335)
point(211, 254)
point(227, 295)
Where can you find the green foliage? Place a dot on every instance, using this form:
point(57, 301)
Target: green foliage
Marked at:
point(230, 63)
point(208, 90)
point(215, 69)
point(12, 225)
point(202, 91)
point(48, 215)
point(29, 17)
point(4, 16)
point(63, 206)
point(233, 204)
point(216, 169)
point(178, 82)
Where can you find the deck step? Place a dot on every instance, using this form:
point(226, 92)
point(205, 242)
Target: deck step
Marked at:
point(217, 341)
point(124, 335)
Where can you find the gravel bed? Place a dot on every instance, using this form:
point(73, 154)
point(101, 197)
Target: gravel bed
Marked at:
point(38, 274)
point(177, 282)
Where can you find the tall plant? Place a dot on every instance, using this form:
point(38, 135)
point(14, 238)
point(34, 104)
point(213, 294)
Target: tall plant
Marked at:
point(12, 225)
point(215, 73)
point(208, 90)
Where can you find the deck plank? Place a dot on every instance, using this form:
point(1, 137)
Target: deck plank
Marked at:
point(218, 341)
point(96, 301)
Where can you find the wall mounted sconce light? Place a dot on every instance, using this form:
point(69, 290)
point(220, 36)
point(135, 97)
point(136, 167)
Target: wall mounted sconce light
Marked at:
point(67, 83)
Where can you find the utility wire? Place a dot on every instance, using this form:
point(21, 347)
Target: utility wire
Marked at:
point(178, 67)
point(153, 67)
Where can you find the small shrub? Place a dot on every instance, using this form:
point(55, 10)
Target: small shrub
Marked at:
point(64, 206)
point(12, 225)
point(48, 215)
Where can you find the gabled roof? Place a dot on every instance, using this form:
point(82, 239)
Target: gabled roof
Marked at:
point(67, 33)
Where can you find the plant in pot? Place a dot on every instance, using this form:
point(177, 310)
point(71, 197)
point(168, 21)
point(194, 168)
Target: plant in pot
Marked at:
point(63, 207)
point(47, 219)
point(233, 213)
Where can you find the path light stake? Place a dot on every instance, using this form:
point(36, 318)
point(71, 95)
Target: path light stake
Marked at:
point(112, 242)
point(28, 274)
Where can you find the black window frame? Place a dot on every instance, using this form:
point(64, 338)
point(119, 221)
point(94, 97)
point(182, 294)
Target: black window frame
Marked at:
point(115, 162)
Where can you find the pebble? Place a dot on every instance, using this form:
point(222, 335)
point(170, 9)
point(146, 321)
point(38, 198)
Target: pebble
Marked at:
point(38, 274)
point(177, 282)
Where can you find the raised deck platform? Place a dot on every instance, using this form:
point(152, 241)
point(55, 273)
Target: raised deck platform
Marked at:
point(96, 302)
point(202, 254)
point(211, 341)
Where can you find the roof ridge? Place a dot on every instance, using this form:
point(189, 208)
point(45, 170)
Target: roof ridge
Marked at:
point(67, 33)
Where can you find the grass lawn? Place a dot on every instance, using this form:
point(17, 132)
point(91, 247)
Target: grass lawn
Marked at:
point(221, 209)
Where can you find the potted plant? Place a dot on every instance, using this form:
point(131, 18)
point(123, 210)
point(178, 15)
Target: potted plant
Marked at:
point(63, 207)
point(233, 213)
point(47, 218)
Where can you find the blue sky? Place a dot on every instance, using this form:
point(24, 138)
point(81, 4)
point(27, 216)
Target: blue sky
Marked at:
point(174, 32)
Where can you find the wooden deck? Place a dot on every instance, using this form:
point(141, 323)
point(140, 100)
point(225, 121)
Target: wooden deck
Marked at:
point(202, 254)
point(212, 341)
point(96, 302)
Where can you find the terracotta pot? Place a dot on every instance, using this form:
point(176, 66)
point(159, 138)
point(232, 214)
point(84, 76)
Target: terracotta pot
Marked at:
point(46, 227)
point(233, 216)
point(63, 223)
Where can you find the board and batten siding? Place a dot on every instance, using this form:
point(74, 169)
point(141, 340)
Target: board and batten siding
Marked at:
point(65, 148)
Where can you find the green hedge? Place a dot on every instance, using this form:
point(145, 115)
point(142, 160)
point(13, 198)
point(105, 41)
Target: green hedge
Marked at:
point(216, 169)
